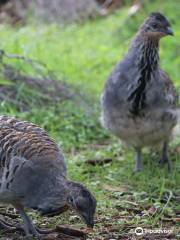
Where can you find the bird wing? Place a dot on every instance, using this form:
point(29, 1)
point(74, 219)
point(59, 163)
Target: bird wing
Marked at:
point(169, 89)
point(26, 140)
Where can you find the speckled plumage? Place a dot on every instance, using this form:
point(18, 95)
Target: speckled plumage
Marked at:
point(26, 140)
point(139, 103)
point(33, 174)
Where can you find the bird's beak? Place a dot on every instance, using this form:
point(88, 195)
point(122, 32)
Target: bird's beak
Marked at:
point(169, 31)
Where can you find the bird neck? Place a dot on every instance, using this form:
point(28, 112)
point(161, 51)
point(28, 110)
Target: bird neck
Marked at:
point(145, 52)
point(147, 47)
point(148, 55)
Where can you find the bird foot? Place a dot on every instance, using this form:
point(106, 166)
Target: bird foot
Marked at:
point(41, 234)
point(136, 171)
point(10, 228)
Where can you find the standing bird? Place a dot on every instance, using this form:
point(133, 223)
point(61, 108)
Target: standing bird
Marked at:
point(139, 103)
point(33, 175)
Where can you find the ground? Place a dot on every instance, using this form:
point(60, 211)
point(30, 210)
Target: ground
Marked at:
point(148, 200)
point(83, 56)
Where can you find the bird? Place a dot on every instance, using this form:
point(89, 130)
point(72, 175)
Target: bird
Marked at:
point(33, 176)
point(139, 103)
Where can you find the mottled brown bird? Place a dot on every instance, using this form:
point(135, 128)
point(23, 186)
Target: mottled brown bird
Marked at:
point(33, 175)
point(139, 103)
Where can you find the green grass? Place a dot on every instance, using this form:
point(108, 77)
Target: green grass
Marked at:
point(84, 55)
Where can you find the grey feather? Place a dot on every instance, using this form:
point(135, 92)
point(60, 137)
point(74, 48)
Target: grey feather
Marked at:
point(33, 173)
point(139, 102)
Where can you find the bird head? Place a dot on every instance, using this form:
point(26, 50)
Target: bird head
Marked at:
point(157, 25)
point(83, 202)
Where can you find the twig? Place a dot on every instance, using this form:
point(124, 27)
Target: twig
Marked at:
point(11, 215)
point(34, 63)
point(71, 232)
point(169, 199)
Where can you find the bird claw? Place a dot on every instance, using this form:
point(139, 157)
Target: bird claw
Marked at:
point(8, 227)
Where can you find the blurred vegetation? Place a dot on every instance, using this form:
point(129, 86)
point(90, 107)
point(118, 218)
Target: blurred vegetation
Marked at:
point(82, 56)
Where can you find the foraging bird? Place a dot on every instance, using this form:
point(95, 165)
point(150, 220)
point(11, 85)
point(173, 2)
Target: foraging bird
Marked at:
point(139, 103)
point(33, 175)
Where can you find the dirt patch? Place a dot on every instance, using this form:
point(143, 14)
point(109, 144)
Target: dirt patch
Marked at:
point(130, 214)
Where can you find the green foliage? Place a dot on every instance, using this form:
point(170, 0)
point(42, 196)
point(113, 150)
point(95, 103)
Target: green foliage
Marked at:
point(71, 125)
point(84, 55)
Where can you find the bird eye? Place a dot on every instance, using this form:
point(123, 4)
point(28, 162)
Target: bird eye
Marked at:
point(70, 199)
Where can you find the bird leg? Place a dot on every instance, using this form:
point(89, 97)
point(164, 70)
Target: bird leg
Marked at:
point(14, 228)
point(29, 228)
point(138, 164)
point(165, 158)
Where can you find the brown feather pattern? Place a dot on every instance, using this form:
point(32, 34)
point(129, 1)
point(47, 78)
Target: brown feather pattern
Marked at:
point(23, 139)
